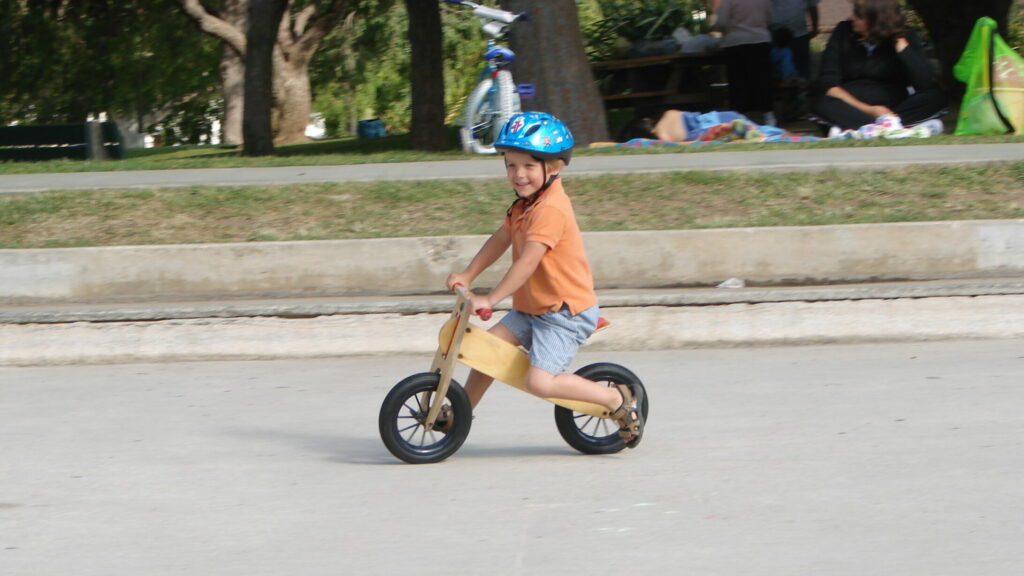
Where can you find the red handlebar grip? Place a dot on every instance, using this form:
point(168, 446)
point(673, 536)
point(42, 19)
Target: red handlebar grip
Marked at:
point(484, 314)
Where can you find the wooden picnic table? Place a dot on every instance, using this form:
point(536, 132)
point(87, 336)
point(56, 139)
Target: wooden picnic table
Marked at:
point(690, 81)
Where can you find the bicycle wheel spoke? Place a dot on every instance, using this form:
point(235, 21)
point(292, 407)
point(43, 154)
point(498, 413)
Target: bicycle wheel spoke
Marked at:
point(592, 426)
point(412, 428)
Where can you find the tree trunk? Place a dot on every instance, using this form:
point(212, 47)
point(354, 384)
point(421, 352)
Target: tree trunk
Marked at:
point(428, 131)
point(232, 74)
point(550, 55)
point(949, 24)
point(298, 37)
point(264, 19)
point(232, 82)
point(294, 42)
point(293, 101)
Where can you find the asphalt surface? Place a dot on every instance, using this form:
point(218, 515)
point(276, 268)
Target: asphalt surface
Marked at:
point(899, 459)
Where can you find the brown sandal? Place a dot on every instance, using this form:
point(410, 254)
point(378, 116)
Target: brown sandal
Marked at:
point(629, 416)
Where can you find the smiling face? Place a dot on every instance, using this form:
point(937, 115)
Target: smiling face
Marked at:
point(525, 173)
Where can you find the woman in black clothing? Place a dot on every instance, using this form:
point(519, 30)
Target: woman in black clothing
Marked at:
point(873, 66)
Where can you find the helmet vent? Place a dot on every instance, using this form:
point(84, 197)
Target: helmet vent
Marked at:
point(529, 131)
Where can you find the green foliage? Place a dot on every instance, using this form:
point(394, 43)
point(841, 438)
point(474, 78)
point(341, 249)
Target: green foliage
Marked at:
point(63, 61)
point(629, 21)
point(913, 20)
point(1015, 28)
point(463, 44)
point(362, 69)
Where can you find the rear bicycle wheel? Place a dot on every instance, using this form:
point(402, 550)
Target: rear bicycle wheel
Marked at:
point(490, 105)
point(590, 434)
point(402, 416)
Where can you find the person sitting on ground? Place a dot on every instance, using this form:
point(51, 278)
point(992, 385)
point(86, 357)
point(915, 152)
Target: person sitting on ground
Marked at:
point(868, 65)
point(684, 126)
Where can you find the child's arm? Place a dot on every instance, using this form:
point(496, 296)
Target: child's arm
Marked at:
point(517, 275)
point(488, 254)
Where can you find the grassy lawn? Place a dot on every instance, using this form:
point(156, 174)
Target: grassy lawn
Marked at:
point(684, 200)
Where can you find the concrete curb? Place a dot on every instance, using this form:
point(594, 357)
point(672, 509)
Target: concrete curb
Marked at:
point(441, 303)
point(620, 260)
point(634, 328)
point(249, 301)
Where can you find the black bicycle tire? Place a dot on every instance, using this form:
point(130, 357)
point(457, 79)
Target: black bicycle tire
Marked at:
point(400, 421)
point(573, 425)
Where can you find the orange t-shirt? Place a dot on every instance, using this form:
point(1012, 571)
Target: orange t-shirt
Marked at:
point(563, 275)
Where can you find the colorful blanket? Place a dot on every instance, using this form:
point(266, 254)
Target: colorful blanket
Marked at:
point(735, 131)
point(887, 126)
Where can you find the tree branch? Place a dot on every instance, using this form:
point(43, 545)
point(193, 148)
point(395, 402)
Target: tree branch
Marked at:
point(318, 26)
point(215, 26)
point(302, 19)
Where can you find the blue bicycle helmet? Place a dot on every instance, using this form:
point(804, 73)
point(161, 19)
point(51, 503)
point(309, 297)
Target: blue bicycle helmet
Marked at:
point(538, 134)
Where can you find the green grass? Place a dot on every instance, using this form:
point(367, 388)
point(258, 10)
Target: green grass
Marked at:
point(683, 200)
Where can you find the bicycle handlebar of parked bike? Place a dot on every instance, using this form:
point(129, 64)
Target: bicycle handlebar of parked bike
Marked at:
point(488, 12)
point(483, 313)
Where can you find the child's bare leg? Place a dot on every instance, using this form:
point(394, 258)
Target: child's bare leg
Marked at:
point(477, 383)
point(571, 387)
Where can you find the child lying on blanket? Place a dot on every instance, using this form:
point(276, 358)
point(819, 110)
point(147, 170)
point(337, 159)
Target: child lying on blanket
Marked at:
point(682, 126)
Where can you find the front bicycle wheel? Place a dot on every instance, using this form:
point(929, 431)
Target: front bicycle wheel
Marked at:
point(490, 105)
point(590, 434)
point(404, 410)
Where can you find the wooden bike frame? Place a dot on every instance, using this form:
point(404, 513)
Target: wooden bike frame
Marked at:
point(463, 342)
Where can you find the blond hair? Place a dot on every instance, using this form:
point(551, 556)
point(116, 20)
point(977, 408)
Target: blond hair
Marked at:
point(554, 165)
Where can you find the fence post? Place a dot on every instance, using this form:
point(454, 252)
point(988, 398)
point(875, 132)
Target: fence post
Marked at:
point(94, 142)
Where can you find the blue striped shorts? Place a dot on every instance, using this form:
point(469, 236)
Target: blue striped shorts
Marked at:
point(553, 338)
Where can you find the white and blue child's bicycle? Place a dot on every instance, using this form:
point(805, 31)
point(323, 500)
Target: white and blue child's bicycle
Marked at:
point(496, 98)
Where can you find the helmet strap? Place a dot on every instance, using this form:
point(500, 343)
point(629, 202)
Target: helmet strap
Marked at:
point(547, 183)
point(533, 198)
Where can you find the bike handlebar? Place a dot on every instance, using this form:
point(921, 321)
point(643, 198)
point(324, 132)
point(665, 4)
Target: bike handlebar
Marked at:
point(488, 12)
point(483, 313)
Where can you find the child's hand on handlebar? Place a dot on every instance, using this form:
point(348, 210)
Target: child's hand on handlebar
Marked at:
point(458, 278)
point(481, 306)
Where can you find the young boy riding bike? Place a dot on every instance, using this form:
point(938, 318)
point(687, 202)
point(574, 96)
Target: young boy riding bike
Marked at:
point(554, 306)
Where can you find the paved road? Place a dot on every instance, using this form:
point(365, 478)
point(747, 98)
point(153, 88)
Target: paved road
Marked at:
point(780, 159)
point(900, 459)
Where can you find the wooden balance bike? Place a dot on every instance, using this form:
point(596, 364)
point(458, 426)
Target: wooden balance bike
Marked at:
point(426, 417)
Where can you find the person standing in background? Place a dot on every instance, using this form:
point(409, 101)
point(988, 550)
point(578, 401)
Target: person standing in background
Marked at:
point(794, 15)
point(747, 43)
